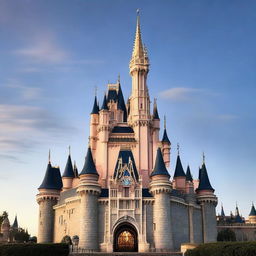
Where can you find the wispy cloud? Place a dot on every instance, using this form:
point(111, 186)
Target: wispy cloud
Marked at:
point(43, 50)
point(181, 93)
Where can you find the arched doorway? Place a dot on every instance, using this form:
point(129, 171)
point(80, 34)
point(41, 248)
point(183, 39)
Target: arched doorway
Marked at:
point(125, 238)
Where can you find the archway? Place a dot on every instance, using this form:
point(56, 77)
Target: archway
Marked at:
point(125, 238)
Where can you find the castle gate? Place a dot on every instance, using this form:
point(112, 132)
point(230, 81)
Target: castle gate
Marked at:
point(125, 238)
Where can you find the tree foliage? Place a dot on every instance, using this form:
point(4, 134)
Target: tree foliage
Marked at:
point(66, 240)
point(226, 235)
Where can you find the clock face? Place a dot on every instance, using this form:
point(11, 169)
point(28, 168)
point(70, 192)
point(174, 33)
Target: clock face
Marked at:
point(126, 182)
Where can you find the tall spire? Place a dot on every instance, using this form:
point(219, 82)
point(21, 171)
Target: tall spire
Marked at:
point(179, 172)
point(155, 112)
point(95, 109)
point(69, 171)
point(138, 50)
point(222, 211)
point(159, 168)
point(188, 175)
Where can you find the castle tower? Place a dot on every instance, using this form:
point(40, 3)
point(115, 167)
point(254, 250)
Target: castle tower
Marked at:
point(156, 128)
point(179, 178)
point(5, 229)
point(89, 190)
point(189, 182)
point(139, 103)
point(166, 146)
point(252, 215)
point(208, 202)
point(68, 174)
point(160, 188)
point(94, 121)
point(15, 224)
point(49, 192)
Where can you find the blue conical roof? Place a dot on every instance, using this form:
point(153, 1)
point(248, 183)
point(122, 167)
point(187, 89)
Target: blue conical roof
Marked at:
point(52, 178)
point(222, 212)
point(253, 211)
point(155, 113)
point(179, 172)
point(204, 182)
point(160, 168)
point(69, 171)
point(15, 223)
point(95, 109)
point(89, 166)
point(165, 137)
point(104, 104)
point(75, 171)
point(188, 175)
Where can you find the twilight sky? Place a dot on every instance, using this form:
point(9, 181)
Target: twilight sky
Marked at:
point(53, 54)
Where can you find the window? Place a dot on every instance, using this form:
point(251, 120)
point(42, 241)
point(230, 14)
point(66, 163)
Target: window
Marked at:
point(137, 204)
point(126, 192)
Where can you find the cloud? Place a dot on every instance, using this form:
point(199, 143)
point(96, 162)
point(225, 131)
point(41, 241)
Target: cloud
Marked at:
point(43, 50)
point(180, 93)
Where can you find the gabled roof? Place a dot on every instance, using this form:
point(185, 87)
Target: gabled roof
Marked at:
point(95, 109)
point(159, 168)
point(253, 211)
point(188, 175)
point(204, 182)
point(179, 172)
point(89, 166)
point(69, 171)
point(121, 103)
point(155, 112)
point(165, 137)
point(122, 129)
point(52, 178)
point(15, 223)
point(104, 104)
point(125, 156)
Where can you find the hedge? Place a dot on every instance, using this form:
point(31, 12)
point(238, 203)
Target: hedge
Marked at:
point(224, 249)
point(34, 250)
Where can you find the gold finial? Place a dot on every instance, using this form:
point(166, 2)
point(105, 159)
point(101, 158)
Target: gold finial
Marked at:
point(49, 156)
point(164, 122)
point(178, 148)
point(203, 158)
point(69, 149)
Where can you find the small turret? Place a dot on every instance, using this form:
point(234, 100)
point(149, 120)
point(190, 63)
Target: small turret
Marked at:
point(155, 111)
point(238, 217)
point(189, 182)
point(49, 193)
point(94, 121)
point(222, 214)
point(166, 146)
point(15, 225)
point(104, 103)
point(208, 202)
point(156, 129)
point(89, 190)
point(179, 177)
point(160, 188)
point(95, 109)
point(68, 174)
point(121, 105)
point(252, 215)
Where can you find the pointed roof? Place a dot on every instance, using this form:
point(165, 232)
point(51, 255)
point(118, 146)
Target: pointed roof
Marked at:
point(188, 175)
point(253, 211)
point(52, 178)
point(104, 104)
point(160, 168)
point(121, 103)
point(204, 182)
point(222, 211)
point(89, 166)
point(155, 113)
point(15, 223)
point(95, 109)
point(69, 171)
point(179, 172)
point(138, 49)
point(75, 170)
point(165, 137)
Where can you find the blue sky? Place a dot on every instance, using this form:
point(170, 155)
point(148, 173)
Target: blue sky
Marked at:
point(53, 54)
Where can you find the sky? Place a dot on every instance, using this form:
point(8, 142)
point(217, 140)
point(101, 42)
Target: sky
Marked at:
point(53, 54)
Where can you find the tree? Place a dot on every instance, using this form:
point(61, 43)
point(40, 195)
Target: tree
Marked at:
point(2, 217)
point(226, 235)
point(19, 236)
point(66, 240)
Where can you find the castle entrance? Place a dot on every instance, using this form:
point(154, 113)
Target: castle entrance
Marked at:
point(125, 238)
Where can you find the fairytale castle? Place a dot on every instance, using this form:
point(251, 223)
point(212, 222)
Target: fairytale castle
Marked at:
point(123, 199)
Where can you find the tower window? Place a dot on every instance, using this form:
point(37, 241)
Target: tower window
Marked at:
point(126, 192)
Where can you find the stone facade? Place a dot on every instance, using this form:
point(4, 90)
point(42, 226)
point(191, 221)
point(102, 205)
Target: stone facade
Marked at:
point(123, 199)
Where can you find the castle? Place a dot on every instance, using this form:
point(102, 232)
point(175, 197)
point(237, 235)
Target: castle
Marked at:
point(6, 229)
point(123, 199)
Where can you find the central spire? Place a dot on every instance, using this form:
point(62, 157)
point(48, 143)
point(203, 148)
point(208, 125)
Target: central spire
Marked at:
point(138, 50)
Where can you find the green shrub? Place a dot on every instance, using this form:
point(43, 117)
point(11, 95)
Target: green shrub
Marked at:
point(34, 250)
point(226, 235)
point(224, 249)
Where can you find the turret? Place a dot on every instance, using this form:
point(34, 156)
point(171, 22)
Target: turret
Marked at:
point(222, 214)
point(166, 146)
point(189, 182)
point(208, 202)
point(68, 174)
point(5, 229)
point(252, 215)
point(49, 193)
point(76, 178)
point(179, 178)
point(160, 188)
point(238, 217)
point(156, 128)
point(89, 190)
point(121, 108)
point(15, 225)
point(94, 121)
